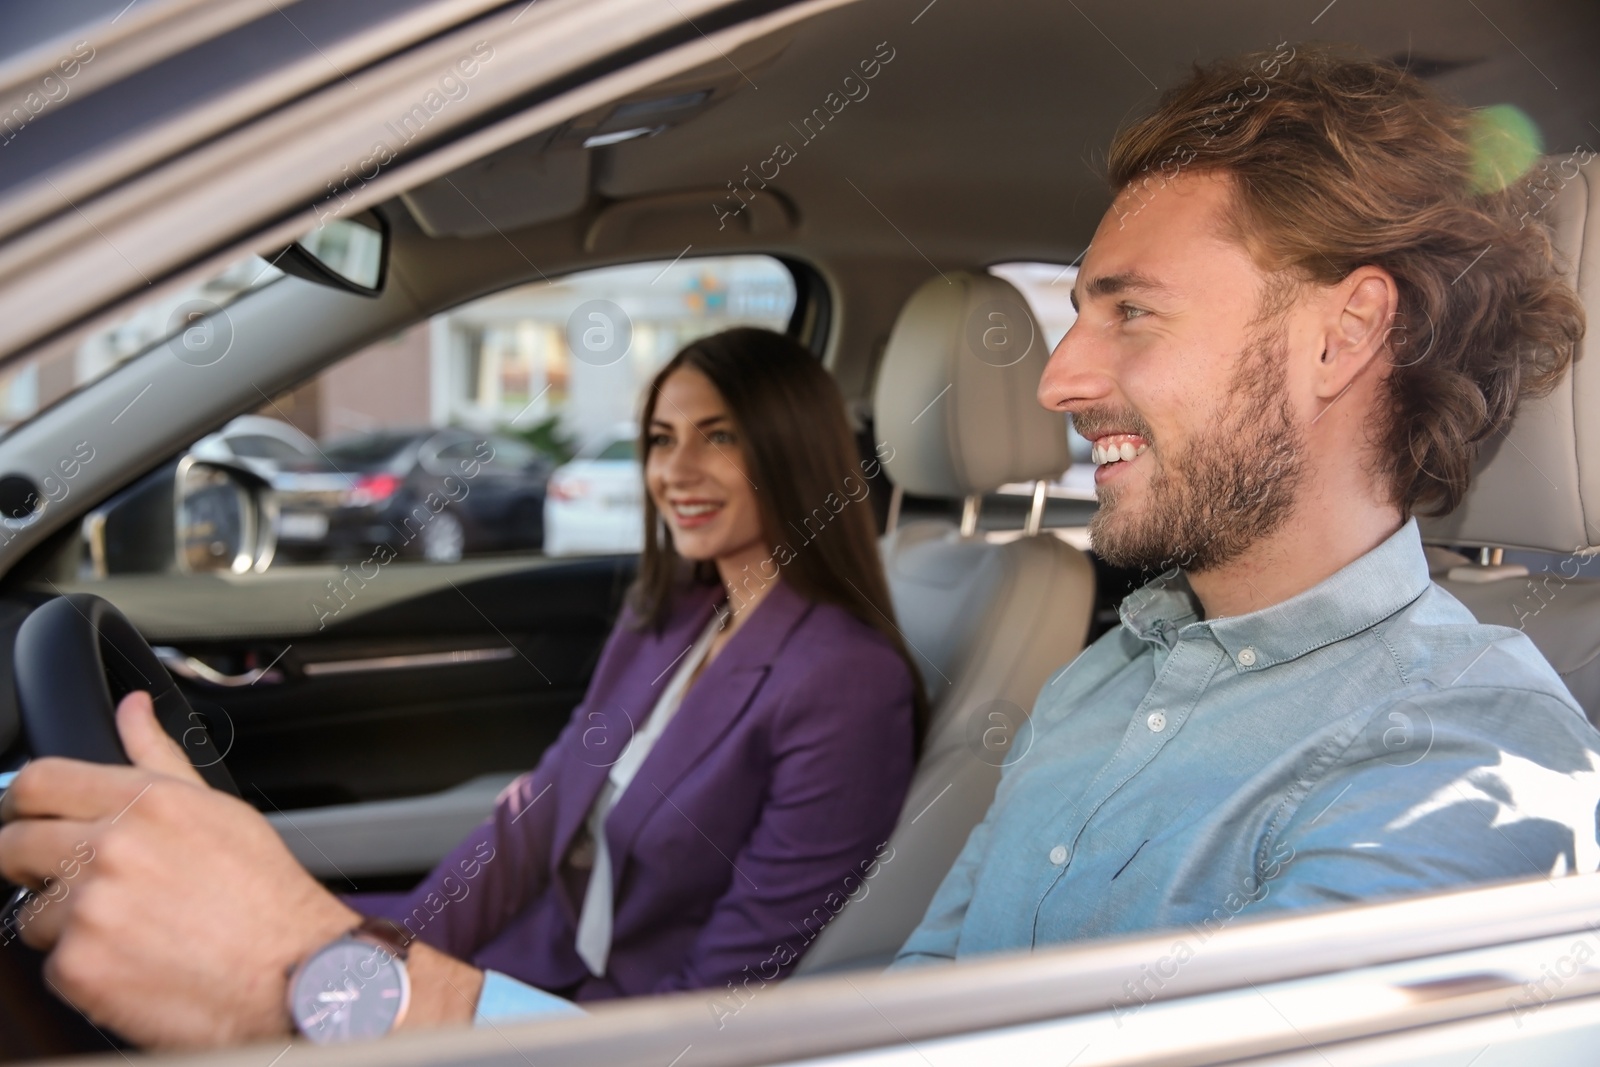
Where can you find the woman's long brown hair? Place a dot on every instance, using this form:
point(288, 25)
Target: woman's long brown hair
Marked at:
point(810, 487)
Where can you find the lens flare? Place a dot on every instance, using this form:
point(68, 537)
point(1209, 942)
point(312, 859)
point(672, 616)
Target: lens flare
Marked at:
point(1505, 144)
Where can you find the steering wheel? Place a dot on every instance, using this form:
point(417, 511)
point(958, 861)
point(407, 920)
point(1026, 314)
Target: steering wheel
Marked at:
point(76, 656)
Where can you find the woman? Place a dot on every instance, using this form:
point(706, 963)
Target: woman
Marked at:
point(748, 736)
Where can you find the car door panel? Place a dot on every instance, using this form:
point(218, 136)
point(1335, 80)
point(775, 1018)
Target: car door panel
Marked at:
point(431, 675)
point(383, 844)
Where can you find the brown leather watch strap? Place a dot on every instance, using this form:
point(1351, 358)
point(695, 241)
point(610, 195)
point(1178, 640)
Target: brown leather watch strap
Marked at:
point(388, 933)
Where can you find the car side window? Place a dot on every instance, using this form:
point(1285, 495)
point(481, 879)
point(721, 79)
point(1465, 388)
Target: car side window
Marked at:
point(1048, 289)
point(502, 426)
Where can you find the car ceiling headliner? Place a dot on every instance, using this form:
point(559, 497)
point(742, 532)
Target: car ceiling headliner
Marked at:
point(984, 138)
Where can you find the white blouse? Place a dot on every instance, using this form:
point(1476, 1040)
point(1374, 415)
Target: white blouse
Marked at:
point(594, 921)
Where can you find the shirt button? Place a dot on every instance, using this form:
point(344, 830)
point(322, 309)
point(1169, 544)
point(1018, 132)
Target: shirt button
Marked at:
point(1247, 657)
point(1157, 721)
point(1058, 855)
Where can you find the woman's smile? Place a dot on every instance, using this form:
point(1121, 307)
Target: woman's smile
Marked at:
point(693, 513)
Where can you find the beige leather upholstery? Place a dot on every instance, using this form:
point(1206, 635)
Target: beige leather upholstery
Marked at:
point(1560, 615)
point(988, 623)
point(956, 396)
point(1539, 486)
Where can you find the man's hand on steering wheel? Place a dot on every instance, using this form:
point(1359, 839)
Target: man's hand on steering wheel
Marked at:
point(172, 911)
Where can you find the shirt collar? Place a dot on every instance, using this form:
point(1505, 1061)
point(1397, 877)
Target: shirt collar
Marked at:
point(1354, 598)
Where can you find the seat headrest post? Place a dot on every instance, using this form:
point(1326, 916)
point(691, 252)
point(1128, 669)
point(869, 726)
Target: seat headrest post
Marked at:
point(1041, 493)
point(893, 520)
point(969, 514)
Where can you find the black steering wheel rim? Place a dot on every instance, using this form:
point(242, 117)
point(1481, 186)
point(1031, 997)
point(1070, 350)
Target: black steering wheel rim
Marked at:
point(76, 656)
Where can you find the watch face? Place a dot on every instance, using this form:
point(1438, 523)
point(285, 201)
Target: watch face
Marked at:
point(350, 989)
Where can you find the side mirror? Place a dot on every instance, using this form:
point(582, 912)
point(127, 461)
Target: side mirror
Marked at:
point(226, 519)
point(344, 253)
point(189, 517)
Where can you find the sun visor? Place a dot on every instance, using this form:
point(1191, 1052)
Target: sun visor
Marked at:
point(550, 175)
point(518, 186)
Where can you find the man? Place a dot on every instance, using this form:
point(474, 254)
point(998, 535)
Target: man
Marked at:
point(1287, 344)
point(1293, 717)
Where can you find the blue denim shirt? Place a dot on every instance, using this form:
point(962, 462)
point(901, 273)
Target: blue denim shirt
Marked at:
point(1364, 739)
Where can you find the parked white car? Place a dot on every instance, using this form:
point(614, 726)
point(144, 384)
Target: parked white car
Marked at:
point(595, 503)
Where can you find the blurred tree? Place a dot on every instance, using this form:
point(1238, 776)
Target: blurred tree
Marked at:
point(548, 436)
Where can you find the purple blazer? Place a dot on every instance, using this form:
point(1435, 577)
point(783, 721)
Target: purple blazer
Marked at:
point(748, 825)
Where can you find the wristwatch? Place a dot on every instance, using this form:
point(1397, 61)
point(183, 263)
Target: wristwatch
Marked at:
point(353, 987)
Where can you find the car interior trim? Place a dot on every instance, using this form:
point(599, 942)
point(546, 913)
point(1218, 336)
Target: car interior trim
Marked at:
point(148, 33)
point(378, 837)
point(225, 106)
point(452, 658)
point(198, 670)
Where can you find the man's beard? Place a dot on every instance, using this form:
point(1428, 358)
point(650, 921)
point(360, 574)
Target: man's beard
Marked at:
point(1213, 497)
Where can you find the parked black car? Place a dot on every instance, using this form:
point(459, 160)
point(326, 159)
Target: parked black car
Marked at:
point(425, 493)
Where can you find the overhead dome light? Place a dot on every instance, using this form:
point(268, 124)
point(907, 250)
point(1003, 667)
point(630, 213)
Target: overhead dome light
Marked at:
point(600, 140)
point(636, 108)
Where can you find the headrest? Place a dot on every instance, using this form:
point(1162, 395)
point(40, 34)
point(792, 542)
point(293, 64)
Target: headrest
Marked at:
point(956, 407)
point(1538, 486)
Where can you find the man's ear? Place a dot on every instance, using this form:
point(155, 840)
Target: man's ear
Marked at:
point(1361, 310)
